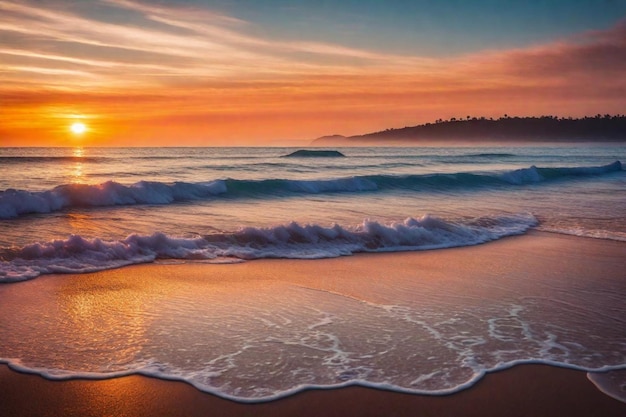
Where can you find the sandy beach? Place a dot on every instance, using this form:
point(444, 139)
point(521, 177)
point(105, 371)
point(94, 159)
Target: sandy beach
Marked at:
point(524, 390)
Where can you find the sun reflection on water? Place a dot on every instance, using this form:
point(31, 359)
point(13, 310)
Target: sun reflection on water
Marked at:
point(77, 170)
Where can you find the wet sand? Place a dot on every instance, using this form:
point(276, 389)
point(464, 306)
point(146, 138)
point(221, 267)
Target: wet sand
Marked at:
point(524, 390)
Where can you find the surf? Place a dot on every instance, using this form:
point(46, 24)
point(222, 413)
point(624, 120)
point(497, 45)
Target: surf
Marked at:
point(292, 240)
point(15, 203)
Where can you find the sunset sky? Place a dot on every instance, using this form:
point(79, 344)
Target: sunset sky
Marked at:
point(244, 72)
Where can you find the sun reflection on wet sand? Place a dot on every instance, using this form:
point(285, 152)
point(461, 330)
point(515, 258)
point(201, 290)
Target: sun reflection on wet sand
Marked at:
point(109, 319)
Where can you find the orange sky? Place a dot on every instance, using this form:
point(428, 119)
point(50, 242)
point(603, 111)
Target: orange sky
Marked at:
point(196, 77)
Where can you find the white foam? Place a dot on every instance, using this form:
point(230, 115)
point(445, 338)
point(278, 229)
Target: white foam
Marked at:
point(78, 254)
point(580, 231)
point(612, 383)
point(14, 203)
point(400, 348)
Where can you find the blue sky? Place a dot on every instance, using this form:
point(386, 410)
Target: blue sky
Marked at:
point(426, 27)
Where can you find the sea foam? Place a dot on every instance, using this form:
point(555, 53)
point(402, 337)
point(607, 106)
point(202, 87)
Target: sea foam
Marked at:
point(78, 254)
point(15, 203)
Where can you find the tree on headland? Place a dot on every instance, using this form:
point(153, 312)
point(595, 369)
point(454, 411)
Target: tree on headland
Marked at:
point(545, 128)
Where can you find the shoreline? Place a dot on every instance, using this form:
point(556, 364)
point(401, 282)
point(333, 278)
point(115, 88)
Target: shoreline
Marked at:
point(523, 390)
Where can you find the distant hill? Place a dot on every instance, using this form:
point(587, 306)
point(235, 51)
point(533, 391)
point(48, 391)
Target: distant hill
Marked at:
point(600, 128)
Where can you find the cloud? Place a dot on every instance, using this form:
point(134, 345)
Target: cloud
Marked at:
point(594, 54)
point(211, 44)
point(195, 67)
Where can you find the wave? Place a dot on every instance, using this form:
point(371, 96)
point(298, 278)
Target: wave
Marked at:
point(46, 159)
point(14, 203)
point(591, 233)
point(78, 254)
point(22, 159)
point(610, 383)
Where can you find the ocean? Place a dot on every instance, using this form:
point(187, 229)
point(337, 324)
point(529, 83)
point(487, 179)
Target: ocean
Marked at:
point(81, 210)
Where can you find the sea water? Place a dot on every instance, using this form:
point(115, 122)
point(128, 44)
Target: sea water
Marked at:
point(65, 210)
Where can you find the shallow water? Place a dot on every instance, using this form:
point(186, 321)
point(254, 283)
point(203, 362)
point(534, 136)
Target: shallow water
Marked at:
point(258, 331)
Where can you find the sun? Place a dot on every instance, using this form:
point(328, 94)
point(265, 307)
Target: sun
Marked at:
point(78, 128)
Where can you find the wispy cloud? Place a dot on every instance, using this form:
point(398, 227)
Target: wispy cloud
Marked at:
point(164, 66)
point(211, 45)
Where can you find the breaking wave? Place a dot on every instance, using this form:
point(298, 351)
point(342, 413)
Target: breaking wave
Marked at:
point(78, 254)
point(14, 203)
